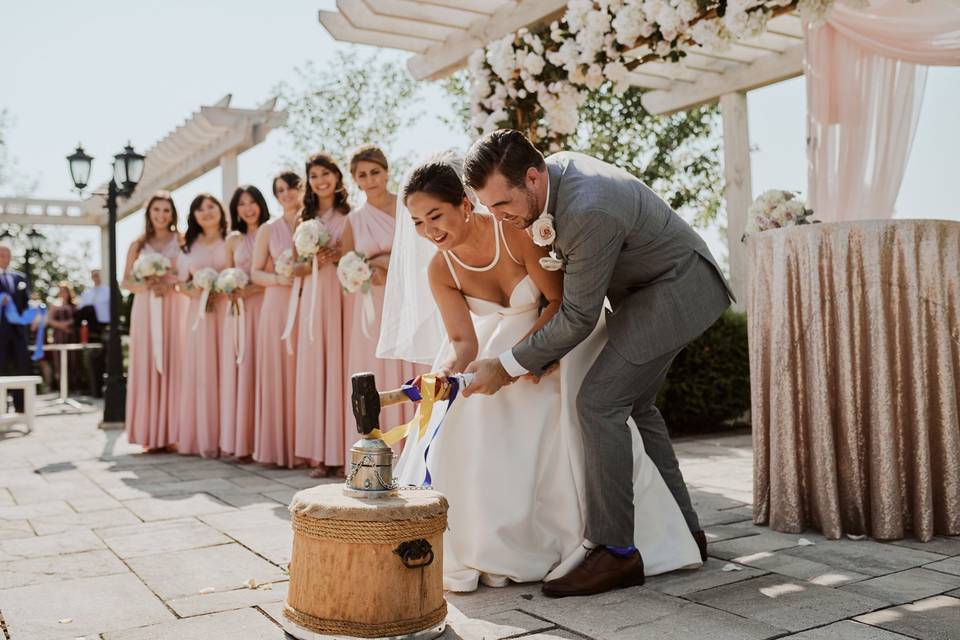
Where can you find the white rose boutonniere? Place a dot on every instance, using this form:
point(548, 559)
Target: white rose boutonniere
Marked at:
point(543, 232)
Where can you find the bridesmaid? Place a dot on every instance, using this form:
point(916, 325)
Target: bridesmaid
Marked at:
point(204, 247)
point(370, 231)
point(248, 210)
point(276, 368)
point(153, 397)
point(320, 385)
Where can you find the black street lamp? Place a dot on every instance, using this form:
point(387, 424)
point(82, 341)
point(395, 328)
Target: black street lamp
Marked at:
point(34, 240)
point(127, 171)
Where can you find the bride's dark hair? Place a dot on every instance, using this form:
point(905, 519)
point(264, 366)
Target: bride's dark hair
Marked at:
point(437, 179)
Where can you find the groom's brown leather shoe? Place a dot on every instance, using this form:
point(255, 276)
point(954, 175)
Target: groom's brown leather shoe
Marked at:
point(701, 539)
point(600, 571)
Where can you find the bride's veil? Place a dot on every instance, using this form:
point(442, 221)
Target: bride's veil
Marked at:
point(411, 328)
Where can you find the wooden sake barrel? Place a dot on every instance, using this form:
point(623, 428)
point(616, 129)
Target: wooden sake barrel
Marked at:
point(366, 568)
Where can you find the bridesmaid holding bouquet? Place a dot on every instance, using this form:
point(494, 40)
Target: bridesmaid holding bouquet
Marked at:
point(156, 328)
point(204, 256)
point(274, 382)
point(238, 356)
point(320, 386)
point(370, 233)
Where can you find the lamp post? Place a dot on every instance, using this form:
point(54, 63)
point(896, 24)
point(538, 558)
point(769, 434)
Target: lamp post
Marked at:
point(34, 240)
point(127, 171)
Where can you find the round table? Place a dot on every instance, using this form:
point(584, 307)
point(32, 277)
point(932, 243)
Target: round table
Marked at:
point(855, 377)
point(64, 349)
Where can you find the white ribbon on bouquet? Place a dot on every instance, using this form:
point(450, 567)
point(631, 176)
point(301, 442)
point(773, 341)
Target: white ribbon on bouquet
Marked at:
point(156, 330)
point(291, 313)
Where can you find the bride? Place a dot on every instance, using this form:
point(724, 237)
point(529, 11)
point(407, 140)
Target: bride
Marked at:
point(511, 465)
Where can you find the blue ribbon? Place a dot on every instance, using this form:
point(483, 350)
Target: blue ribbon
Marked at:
point(413, 393)
point(26, 319)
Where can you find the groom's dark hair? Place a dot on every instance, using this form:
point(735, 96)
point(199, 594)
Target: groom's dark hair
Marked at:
point(506, 151)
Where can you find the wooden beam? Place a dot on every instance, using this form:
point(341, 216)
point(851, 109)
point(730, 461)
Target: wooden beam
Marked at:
point(361, 17)
point(28, 219)
point(341, 29)
point(485, 7)
point(420, 11)
point(768, 69)
point(738, 188)
point(443, 59)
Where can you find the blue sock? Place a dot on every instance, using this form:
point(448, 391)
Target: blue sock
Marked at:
point(623, 552)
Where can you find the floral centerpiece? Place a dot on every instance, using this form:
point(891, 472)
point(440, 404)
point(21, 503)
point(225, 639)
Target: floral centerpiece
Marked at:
point(774, 209)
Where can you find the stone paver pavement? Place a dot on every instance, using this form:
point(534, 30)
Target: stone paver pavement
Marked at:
point(101, 541)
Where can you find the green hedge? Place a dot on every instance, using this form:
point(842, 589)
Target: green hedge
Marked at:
point(708, 385)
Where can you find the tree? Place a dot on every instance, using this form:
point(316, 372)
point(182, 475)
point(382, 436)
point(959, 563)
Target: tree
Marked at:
point(677, 155)
point(50, 265)
point(350, 101)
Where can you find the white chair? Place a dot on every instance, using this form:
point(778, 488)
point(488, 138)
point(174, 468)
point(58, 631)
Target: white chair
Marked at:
point(27, 384)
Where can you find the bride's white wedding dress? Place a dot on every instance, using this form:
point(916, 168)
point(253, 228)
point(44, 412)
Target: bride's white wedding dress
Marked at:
point(511, 466)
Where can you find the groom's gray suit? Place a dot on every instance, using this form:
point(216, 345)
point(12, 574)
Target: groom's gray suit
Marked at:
point(621, 241)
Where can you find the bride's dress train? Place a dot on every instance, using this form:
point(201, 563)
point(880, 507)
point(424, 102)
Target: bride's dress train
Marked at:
point(511, 466)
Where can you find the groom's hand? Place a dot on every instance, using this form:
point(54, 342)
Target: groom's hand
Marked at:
point(490, 377)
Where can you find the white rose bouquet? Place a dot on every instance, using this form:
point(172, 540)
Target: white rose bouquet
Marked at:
point(230, 281)
point(151, 265)
point(775, 209)
point(354, 273)
point(283, 266)
point(356, 276)
point(310, 237)
point(205, 279)
point(147, 267)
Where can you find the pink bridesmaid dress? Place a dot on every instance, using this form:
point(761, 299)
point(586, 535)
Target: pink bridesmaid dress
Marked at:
point(200, 373)
point(320, 385)
point(153, 398)
point(372, 236)
point(238, 379)
point(275, 379)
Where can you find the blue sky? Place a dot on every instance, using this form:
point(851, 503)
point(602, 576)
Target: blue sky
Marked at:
point(105, 71)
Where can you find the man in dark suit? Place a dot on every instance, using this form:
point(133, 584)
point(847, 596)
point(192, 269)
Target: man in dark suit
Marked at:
point(14, 359)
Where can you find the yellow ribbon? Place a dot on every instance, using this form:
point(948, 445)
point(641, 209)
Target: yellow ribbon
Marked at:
point(428, 396)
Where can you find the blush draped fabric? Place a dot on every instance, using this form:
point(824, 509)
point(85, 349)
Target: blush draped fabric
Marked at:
point(855, 378)
point(865, 72)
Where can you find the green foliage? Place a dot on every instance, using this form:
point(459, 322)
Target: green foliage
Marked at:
point(678, 156)
point(50, 265)
point(709, 383)
point(349, 101)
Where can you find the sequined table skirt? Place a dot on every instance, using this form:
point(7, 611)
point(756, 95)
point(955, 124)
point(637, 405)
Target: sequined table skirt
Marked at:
point(855, 378)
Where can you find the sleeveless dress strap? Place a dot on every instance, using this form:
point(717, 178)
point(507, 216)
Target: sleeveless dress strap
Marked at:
point(453, 272)
point(503, 237)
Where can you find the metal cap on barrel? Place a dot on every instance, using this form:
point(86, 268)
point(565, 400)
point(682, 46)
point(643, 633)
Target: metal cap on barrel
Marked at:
point(371, 460)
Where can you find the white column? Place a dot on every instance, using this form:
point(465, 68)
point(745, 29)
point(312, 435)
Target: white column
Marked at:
point(738, 192)
point(228, 169)
point(105, 254)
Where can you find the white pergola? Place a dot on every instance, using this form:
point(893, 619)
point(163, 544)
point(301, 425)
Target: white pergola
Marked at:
point(443, 33)
point(211, 137)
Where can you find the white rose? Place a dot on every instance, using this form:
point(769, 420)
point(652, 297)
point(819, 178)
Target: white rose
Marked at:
point(542, 231)
point(533, 63)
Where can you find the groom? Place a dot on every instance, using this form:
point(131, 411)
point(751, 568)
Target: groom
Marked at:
point(616, 240)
